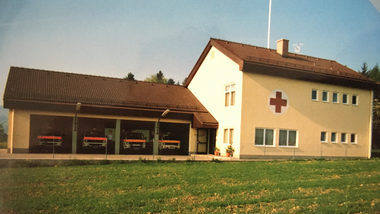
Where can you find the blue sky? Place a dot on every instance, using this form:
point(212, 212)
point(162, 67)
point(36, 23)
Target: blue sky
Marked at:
point(112, 38)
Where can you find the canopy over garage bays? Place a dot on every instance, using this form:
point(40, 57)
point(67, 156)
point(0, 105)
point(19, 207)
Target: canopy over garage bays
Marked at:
point(77, 113)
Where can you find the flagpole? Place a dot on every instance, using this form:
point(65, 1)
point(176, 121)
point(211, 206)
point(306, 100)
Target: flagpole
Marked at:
point(270, 10)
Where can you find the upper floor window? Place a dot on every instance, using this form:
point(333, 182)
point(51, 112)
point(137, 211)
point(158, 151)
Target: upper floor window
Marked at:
point(324, 137)
point(314, 95)
point(343, 138)
point(229, 95)
point(345, 99)
point(335, 97)
point(325, 96)
point(354, 100)
point(333, 137)
point(353, 138)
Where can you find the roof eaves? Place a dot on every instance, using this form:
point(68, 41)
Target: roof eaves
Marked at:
point(213, 43)
point(300, 72)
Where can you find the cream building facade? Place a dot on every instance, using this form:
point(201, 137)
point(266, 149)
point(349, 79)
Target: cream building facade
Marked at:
point(265, 103)
point(284, 105)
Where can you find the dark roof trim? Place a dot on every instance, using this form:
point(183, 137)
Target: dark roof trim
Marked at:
point(301, 74)
point(286, 70)
point(95, 109)
point(70, 107)
point(197, 64)
point(204, 122)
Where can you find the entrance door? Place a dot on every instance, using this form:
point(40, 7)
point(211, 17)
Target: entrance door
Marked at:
point(202, 139)
point(206, 141)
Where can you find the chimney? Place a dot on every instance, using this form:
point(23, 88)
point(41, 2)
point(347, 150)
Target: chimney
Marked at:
point(282, 47)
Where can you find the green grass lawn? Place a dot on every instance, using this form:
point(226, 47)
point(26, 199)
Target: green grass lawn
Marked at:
point(342, 186)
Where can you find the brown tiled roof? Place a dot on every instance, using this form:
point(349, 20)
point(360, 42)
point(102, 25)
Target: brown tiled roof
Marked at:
point(297, 66)
point(49, 86)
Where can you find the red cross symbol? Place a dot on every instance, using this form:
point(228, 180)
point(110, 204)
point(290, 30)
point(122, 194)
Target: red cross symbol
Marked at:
point(278, 102)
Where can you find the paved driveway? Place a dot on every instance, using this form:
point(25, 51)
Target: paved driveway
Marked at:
point(5, 155)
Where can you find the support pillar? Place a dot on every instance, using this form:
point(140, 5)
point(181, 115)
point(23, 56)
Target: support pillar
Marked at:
point(117, 137)
point(156, 137)
point(74, 135)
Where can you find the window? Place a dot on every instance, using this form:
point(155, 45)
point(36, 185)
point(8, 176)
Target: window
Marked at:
point(264, 137)
point(354, 100)
point(333, 137)
point(343, 138)
point(325, 96)
point(314, 95)
point(229, 95)
point(345, 99)
point(353, 138)
point(335, 97)
point(288, 138)
point(324, 137)
point(228, 136)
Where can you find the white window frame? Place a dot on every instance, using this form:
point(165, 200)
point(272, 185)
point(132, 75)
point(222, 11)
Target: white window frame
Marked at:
point(287, 138)
point(347, 99)
point(316, 98)
point(357, 100)
point(356, 138)
point(230, 92)
point(337, 97)
point(336, 137)
point(327, 97)
point(326, 137)
point(345, 137)
point(228, 140)
point(264, 145)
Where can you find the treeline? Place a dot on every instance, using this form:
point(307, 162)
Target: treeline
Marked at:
point(156, 78)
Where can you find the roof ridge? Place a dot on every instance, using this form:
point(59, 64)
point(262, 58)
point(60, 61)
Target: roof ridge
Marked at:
point(271, 49)
point(89, 75)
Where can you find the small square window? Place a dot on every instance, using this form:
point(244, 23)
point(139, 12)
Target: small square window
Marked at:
point(333, 137)
point(345, 99)
point(335, 97)
point(354, 100)
point(353, 138)
point(343, 138)
point(325, 96)
point(324, 137)
point(314, 95)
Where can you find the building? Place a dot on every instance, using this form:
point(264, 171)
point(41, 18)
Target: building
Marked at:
point(264, 102)
point(73, 104)
point(276, 104)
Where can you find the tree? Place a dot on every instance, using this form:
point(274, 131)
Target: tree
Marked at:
point(364, 70)
point(184, 81)
point(3, 135)
point(157, 78)
point(130, 77)
point(171, 81)
point(374, 73)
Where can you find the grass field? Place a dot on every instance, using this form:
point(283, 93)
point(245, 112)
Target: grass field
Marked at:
point(341, 186)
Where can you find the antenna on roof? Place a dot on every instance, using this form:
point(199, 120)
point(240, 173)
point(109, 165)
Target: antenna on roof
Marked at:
point(297, 48)
point(270, 9)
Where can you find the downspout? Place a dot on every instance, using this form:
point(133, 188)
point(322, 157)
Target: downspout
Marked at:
point(11, 122)
point(370, 125)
